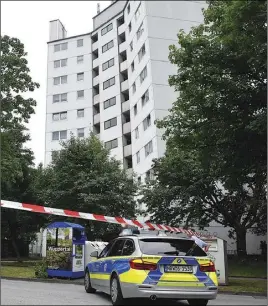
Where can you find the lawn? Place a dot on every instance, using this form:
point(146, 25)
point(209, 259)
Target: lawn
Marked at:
point(17, 271)
point(245, 285)
point(249, 267)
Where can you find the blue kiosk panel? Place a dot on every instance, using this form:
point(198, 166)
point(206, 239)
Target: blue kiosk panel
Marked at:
point(65, 249)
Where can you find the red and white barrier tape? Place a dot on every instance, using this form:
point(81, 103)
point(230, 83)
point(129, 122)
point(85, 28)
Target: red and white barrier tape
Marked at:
point(81, 215)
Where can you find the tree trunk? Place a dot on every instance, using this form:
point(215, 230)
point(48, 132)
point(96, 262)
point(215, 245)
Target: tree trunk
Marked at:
point(15, 247)
point(241, 242)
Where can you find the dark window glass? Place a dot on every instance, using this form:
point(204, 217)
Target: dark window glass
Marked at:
point(117, 248)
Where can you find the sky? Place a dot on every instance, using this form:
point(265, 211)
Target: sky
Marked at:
point(29, 22)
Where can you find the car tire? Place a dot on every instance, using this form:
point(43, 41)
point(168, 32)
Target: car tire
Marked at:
point(115, 291)
point(198, 302)
point(87, 283)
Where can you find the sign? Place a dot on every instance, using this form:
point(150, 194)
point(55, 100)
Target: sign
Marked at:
point(59, 248)
point(78, 258)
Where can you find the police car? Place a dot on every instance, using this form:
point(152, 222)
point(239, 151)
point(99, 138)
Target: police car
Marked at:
point(153, 266)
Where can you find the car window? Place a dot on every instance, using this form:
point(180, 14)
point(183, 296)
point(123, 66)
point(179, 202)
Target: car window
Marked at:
point(117, 248)
point(106, 250)
point(128, 248)
point(165, 246)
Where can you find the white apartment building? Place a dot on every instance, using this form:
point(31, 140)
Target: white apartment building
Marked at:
point(114, 80)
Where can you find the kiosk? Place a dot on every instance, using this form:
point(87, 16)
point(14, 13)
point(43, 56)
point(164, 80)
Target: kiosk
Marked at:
point(65, 250)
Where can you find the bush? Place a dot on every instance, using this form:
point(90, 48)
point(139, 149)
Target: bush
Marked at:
point(40, 269)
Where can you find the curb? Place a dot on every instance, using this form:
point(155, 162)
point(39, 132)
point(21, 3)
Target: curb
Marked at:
point(71, 282)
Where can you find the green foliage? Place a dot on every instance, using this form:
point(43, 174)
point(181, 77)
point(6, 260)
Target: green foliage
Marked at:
point(84, 178)
point(215, 165)
point(40, 268)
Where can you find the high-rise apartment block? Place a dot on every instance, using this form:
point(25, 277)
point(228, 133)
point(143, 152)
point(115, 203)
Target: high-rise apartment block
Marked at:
point(114, 81)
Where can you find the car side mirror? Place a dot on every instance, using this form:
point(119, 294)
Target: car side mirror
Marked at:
point(94, 254)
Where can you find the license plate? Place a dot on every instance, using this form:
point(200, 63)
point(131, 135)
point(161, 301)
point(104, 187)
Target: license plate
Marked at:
point(179, 269)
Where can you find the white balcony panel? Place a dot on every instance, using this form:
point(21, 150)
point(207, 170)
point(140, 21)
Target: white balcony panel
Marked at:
point(96, 81)
point(121, 29)
point(126, 128)
point(129, 172)
point(95, 46)
point(122, 46)
point(125, 106)
point(123, 66)
point(96, 99)
point(124, 85)
point(95, 63)
point(127, 150)
point(97, 118)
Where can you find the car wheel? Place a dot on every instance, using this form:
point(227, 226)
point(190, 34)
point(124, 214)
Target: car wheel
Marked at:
point(198, 302)
point(115, 290)
point(87, 283)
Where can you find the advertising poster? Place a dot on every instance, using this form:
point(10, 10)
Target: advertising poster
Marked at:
point(59, 248)
point(78, 259)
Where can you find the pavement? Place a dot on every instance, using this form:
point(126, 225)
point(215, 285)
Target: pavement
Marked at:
point(15, 292)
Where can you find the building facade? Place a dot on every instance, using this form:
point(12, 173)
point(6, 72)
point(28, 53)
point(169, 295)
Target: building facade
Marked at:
point(114, 81)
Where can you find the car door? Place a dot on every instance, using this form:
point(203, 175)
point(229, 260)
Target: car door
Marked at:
point(96, 267)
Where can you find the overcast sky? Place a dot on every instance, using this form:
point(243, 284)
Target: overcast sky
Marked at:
point(29, 22)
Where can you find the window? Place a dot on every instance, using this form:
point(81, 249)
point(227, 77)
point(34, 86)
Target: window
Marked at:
point(138, 12)
point(60, 98)
point(59, 135)
point(60, 63)
point(134, 88)
point(135, 109)
point(149, 175)
point(147, 122)
point(128, 9)
point(80, 42)
point(137, 132)
point(111, 144)
point(80, 59)
point(110, 102)
point(131, 46)
point(59, 116)
point(57, 64)
point(107, 46)
point(128, 248)
point(106, 250)
point(143, 74)
point(142, 52)
point(110, 123)
point(132, 66)
point(107, 29)
point(145, 98)
point(156, 246)
point(80, 113)
point(80, 94)
point(140, 31)
point(60, 80)
point(60, 47)
point(80, 132)
point(148, 148)
point(117, 248)
point(129, 27)
point(108, 64)
point(138, 157)
point(80, 76)
point(109, 83)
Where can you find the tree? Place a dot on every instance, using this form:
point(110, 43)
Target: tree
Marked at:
point(83, 177)
point(16, 160)
point(215, 165)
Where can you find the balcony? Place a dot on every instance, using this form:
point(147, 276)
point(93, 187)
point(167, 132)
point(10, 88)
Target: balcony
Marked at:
point(95, 63)
point(122, 46)
point(129, 172)
point(95, 46)
point(128, 150)
point(123, 66)
point(96, 81)
point(121, 28)
point(96, 118)
point(96, 99)
point(124, 86)
point(126, 128)
point(125, 106)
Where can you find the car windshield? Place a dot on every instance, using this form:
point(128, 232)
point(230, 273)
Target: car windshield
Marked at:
point(166, 246)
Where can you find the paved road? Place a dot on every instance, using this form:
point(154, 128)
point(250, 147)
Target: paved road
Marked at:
point(35, 293)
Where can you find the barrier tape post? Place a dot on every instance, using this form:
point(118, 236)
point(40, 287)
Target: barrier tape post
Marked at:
point(95, 217)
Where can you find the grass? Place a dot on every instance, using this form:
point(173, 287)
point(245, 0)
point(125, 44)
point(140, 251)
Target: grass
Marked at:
point(247, 268)
point(17, 271)
point(245, 285)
